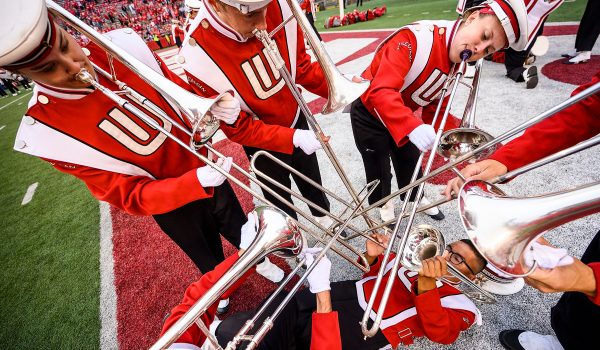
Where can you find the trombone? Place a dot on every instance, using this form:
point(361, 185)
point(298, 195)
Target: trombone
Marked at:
point(342, 91)
point(451, 166)
point(194, 108)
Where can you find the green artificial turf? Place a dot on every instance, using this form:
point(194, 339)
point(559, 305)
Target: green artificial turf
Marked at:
point(49, 256)
point(401, 12)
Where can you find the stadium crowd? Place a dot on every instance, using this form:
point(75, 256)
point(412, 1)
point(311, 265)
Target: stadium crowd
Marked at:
point(147, 18)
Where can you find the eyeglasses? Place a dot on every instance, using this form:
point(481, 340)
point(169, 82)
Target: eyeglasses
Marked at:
point(458, 259)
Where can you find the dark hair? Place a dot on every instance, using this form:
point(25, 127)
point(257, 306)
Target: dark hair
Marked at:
point(480, 259)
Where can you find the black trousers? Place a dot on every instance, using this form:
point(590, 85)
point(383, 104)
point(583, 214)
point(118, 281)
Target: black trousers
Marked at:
point(292, 329)
point(376, 147)
point(195, 227)
point(589, 27)
point(514, 60)
point(306, 164)
point(311, 20)
point(2, 92)
point(9, 86)
point(575, 319)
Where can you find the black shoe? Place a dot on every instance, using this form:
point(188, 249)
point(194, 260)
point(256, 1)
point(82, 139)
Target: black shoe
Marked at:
point(439, 216)
point(223, 308)
point(509, 338)
point(530, 75)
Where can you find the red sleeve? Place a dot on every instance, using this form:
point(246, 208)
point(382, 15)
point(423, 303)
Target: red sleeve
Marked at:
point(309, 74)
point(441, 325)
point(194, 292)
point(325, 334)
point(596, 268)
point(387, 72)
point(429, 111)
point(305, 5)
point(138, 195)
point(565, 129)
point(246, 130)
point(252, 132)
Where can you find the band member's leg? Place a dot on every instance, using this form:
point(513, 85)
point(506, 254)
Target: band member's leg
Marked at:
point(281, 336)
point(276, 172)
point(575, 318)
point(309, 166)
point(194, 229)
point(404, 159)
point(311, 20)
point(228, 213)
point(370, 137)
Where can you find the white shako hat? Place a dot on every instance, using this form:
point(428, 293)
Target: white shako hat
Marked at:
point(513, 17)
point(193, 4)
point(27, 35)
point(495, 281)
point(246, 6)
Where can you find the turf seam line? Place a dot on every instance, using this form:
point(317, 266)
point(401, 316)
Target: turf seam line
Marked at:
point(108, 294)
point(20, 98)
point(29, 194)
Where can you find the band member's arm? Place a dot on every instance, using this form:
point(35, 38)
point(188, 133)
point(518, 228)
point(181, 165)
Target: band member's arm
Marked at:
point(384, 92)
point(440, 324)
point(575, 277)
point(574, 124)
point(309, 74)
point(138, 195)
point(196, 290)
point(325, 331)
point(248, 131)
point(374, 253)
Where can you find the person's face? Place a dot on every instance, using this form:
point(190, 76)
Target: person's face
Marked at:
point(193, 14)
point(241, 23)
point(59, 68)
point(464, 251)
point(481, 34)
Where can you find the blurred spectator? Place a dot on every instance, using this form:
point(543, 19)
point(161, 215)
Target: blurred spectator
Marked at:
point(7, 80)
point(145, 17)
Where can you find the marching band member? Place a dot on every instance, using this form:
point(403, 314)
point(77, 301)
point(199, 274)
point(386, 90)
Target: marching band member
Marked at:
point(177, 32)
point(121, 159)
point(220, 53)
point(419, 305)
point(408, 72)
point(325, 329)
point(575, 317)
point(192, 7)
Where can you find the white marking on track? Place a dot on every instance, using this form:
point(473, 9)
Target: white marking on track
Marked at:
point(20, 98)
point(108, 294)
point(446, 11)
point(29, 194)
point(424, 13)
point(2, 127)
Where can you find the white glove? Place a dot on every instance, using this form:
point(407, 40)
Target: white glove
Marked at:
point(318, 280)
point(306, 140)
point(547, 257)
point(423, 137)
point(248, 232)
point(226, 109)
point(209, 177)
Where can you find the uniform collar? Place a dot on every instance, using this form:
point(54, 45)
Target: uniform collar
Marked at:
point(207, 13)
point(66, 94)
point(451, 32)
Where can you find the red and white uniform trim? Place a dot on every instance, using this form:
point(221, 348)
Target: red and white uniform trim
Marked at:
point(121, 159)
point(439, 314)
point(219, 59)
point(537, 12)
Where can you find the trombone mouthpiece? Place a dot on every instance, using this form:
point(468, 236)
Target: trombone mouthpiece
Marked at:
point(465, 54)
point(84, 76)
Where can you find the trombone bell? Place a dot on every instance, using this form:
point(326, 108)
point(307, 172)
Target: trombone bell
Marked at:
point(502, 228)
point(424, 242)
point(457, 142)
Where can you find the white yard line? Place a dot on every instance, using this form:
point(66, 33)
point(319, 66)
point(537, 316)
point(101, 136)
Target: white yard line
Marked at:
point(20, 98)
point(2, 127)
point(29, 194)
point(108, 294)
